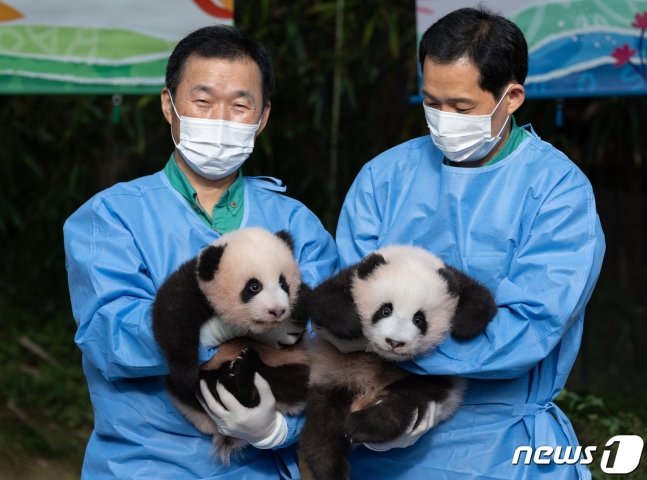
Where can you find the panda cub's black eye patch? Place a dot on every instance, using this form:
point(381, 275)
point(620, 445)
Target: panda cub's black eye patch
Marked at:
point(252, 288)
point(284, 284)
point(383, 312)
point(420, 321)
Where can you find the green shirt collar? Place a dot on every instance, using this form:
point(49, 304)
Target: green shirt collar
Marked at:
point(227, 213)
point(517, 135)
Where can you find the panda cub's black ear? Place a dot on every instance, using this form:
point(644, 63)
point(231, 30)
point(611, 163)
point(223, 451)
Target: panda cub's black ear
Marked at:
point(475, 307)
point(369, 264)
point(287, 238)
point(208, 261)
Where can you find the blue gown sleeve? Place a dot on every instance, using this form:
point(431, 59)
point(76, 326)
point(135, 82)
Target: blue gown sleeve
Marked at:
point(315, 248)
point(111, 294)
point(548, 283)
point(550, 280)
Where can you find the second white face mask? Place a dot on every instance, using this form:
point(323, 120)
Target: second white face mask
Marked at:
point(214, 149)
point(462, 137)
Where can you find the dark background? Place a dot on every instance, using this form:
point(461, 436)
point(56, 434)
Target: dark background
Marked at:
point(335, 106)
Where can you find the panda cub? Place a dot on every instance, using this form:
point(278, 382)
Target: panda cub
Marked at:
point(401, 301)
point(249, 280)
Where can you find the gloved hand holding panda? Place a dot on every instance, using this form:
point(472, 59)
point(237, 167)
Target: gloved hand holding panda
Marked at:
point(398, 303)
point(243, 293)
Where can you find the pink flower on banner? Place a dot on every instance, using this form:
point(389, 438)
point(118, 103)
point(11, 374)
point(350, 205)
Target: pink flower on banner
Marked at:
point(641, 20)
point(622, 55)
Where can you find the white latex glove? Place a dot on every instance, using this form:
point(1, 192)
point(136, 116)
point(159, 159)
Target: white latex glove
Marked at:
point(412, 435)
point(343, 345)
point(288, 333)
point(261, 426)
point(214, 332)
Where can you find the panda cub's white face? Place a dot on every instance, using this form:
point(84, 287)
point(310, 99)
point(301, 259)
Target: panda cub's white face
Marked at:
point(404, 305)
point(256, 281)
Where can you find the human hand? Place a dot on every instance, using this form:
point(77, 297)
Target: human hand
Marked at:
point(289, 332)
point(261, 426)
point(214, 332)
point(343, 345)
point(413, 433)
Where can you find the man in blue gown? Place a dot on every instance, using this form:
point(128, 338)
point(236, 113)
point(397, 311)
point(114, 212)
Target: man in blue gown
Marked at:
point(125, 241)
point(492, 199)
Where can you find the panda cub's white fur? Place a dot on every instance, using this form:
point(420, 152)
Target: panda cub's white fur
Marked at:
point(254, 254)
point(411, 283)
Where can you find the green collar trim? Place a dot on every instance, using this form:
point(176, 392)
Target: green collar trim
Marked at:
point(226, 213)
point(517, 135)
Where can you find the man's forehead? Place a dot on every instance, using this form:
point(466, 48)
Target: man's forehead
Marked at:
point(458, 80)
point(210, 74)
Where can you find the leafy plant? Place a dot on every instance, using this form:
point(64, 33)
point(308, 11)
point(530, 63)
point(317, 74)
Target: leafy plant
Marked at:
point(595, 423)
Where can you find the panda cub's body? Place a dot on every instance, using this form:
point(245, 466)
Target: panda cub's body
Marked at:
point(249, 280)
point(401, 301)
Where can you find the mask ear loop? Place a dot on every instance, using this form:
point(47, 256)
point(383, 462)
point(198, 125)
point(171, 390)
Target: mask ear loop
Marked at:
point(178, 116)
point(495, 109)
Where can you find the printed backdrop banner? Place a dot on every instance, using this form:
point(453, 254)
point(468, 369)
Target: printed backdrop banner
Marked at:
point(576, 47)
point(96, 46)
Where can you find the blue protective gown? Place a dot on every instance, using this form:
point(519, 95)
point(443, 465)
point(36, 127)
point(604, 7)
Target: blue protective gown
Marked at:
point(527, 228)
point(120, 246)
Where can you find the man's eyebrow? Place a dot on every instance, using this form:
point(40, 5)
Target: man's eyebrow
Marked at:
point(245, 94)
point(449, 100)
point(237, 94)
point(202, 88)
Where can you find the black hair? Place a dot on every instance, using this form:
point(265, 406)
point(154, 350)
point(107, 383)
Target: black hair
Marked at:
point(220, 41)
point(494, 44)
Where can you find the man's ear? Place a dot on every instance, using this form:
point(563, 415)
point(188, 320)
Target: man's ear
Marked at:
point(517, 95)
point(167, 109)
point(475, 307)
point(264, 117)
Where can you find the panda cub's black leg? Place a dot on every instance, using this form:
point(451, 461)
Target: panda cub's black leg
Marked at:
point(323, 444)
point(392, 416)
point(289, 382)
point(237, 376)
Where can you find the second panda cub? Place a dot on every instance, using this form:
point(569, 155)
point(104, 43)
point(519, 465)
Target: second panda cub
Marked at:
point(399, 303)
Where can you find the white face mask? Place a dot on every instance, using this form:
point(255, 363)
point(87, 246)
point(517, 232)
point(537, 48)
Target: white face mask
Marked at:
point(463, 137)
point(214, 149)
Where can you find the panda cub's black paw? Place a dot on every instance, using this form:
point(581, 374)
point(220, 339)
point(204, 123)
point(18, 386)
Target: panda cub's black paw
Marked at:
point(377, 424)
point(359, 427)
point(238, 377)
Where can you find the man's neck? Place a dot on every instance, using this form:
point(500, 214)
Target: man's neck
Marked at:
point(209, 191)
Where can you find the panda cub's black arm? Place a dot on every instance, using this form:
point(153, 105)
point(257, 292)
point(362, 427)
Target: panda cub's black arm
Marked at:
point(179, 310)
point(300, 311)
point(331, 306)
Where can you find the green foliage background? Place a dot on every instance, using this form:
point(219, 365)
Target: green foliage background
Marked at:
point(336, 105)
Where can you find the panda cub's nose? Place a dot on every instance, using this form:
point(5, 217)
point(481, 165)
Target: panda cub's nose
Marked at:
point(276, 312)
point(394, 343)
